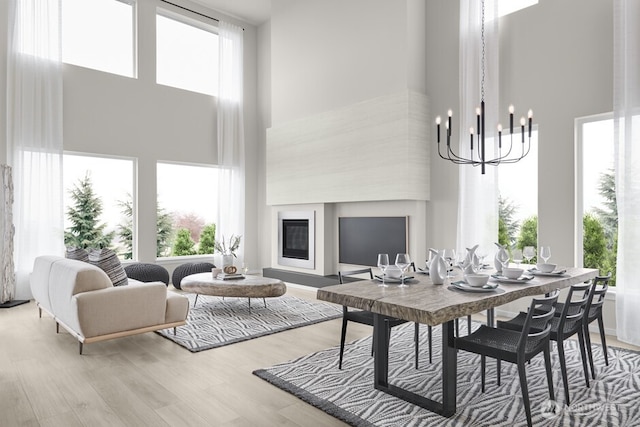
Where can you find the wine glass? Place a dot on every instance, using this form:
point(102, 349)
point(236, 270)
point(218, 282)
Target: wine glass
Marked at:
point(545, 253)
point(383, 264)
point(449, 256)
point(402, 262)
point(529, 252)
point(517, 256)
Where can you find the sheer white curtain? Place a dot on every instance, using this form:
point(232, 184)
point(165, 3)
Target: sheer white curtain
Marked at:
point(478, 194)
point(231, 189)
point(34, 132)
point(626, 108)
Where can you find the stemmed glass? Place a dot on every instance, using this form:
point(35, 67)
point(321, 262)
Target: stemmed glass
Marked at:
point(545, 253)
point(517, 255)
point(529, 252)
point(402, 262)
point(449, 256)
point(383, 264)
point(503, 257)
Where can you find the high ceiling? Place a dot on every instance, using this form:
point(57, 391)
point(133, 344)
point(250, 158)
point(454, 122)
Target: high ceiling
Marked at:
point(253, 11)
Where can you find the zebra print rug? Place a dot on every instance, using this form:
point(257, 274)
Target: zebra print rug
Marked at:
point(348, 394)
point(215, 322)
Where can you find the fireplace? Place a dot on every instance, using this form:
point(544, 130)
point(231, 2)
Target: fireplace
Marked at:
point(296, 239)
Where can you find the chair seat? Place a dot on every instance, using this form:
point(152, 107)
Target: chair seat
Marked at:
point(497, 343)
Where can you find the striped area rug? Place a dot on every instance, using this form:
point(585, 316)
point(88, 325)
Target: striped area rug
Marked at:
point(348, 394)
point(215, 322)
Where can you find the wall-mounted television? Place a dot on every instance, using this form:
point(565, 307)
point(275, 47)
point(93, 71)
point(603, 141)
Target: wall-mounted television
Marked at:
point(361, 239)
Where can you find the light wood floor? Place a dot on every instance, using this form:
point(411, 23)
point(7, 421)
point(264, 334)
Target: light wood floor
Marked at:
point(148, 380)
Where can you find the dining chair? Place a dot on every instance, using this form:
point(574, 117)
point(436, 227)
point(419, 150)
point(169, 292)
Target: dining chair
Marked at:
point(366, 317)
point(570, 322)
point(593, 312)
point(517, 347)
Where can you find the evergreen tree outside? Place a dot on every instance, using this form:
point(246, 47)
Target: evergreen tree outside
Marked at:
point(507, 225)
point(608, 218)
point(207, 239)
point(184, 244)
point(125, 229)
point(86, 231)
point(594, 243)
point(528, 234)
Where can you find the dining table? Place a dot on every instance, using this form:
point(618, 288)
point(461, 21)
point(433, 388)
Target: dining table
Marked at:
point(423, 302)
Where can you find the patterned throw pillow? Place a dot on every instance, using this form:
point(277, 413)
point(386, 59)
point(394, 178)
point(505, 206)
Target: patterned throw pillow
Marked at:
point(108, 261)
point(77, 253)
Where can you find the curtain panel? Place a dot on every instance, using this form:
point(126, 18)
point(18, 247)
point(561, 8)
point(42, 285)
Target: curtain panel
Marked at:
point(626, 110)
point(477, 194)
point(231, 181)
point(34, 132)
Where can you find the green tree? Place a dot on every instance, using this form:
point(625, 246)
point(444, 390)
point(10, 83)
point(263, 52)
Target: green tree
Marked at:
point(86, 231)
point(528, 234)
point(207, 239)
point(125, 228)
point(594, 243)
point(164, 233)
point(608, 218)
point(184, 244)
point(507, 226)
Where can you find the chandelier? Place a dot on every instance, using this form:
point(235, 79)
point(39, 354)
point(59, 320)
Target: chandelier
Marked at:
point(477, 157)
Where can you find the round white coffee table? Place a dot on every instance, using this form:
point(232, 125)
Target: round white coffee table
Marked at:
point(248, 287)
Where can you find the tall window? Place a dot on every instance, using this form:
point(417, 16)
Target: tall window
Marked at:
point(518, 186)
point(100, 34)
point(98, 203)
point(186, 54)
point(186, 209)
point(596, 210)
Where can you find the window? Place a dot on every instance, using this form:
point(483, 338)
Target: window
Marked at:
point(186, 54)
point(596, 203)
point(187, 205)
point(99, 34)
point(98, 203)
point(518, 208)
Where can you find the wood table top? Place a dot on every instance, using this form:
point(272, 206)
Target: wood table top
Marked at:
point(424, 302)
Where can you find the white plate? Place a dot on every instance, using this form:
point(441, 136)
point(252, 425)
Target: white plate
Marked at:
point(537, 272)
point(393, 279)
point(504, 279)
point(463, 286)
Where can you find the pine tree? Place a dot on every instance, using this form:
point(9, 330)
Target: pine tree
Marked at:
point(207, 239)
point(164, 226)
point(85, 231)
point(184, 243)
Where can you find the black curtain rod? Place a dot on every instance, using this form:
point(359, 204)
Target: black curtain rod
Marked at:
point(192, 11)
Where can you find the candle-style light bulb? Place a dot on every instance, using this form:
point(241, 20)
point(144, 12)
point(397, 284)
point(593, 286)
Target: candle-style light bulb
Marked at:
point(522, 121)
point(450, 113)
point(438, 119)
point(511, 110)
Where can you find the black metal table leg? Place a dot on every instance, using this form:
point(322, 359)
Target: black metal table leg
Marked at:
point(447, 407)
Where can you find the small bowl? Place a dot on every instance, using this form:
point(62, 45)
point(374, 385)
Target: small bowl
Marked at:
point(512, 273)
point(476, 280)
point(393, 272)
point(546, 268)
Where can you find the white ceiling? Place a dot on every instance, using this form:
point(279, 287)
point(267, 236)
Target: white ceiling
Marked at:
point(253, 11)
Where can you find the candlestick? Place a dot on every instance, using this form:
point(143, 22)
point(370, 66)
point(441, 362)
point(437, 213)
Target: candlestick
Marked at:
point(438, 125)
point(530, 114)
point(511, 110)
point(471, 134)
point(478, 118)
point(449, 113)
point(499, 135)
point(522, 126)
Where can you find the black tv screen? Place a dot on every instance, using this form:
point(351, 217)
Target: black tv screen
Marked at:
point(361, 239)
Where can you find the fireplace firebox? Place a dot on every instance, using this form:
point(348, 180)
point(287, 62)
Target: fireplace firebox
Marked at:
point(296, 239)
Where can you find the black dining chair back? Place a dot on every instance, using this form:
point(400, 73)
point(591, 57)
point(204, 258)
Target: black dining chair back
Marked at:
point(517, 347)
point(593, 312)
point(366, 317)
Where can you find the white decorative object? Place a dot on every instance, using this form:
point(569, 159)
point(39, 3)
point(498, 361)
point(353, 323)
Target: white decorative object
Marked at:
point(7, 272)
point(501, 255)
point(437, 268)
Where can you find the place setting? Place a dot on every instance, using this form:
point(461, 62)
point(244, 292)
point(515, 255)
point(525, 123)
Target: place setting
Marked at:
point(394, 274)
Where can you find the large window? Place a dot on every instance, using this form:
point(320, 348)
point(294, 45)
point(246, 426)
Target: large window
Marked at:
point(186, 54)
point(99, 203)
point(187, 205)
point(100, 34)
point(518, 186)
point(596, 201)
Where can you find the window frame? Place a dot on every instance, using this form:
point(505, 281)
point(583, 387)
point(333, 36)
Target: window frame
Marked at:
point(134, 195)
